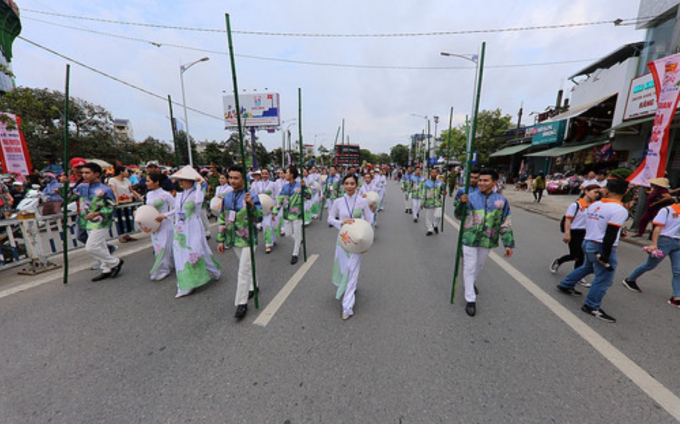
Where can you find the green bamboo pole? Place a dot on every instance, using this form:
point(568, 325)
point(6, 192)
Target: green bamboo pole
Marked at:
point(251, 228)
point(173, 126)
point(302, 188)
point(65, 187)
point(468, 160)
point(446, 177)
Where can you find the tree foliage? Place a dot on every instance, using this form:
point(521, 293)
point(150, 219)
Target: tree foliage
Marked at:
point(399, 154)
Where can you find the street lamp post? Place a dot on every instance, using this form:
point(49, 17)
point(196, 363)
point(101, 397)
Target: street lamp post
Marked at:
point(283, 140)
point(479, 64)
point(420, 150)
point(182, 70)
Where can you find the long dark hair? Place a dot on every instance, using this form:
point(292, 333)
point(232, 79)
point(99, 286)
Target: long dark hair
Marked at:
point(118, 170)
point(348, 176)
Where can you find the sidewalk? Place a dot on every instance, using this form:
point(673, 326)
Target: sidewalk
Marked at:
point(554, 207)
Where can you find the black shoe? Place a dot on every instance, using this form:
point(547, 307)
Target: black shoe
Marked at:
point(476, 291)
point(241, 311)
point(330, 225)
point(406, 211)
point(293, 260)
point(471, 308)
point(102, 276)
point(631, 285)
point(251, 293)
point(569, 291)
point(429, 233)
point(116, 269)
point(415, 219)
point(598, 313)
point(436, 230)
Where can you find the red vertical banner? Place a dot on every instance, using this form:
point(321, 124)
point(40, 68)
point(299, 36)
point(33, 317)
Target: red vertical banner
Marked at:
point(666, 74)
point(13, 148)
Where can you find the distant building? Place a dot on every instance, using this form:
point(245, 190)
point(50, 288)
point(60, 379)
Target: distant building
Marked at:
point(10, 28)
point(123, 128)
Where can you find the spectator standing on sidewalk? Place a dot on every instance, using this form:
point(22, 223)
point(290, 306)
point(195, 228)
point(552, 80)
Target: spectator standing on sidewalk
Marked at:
point(539, 186)
point(657, 197)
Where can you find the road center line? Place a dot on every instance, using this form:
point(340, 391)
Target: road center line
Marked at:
point(268, 313)
point(657, 391)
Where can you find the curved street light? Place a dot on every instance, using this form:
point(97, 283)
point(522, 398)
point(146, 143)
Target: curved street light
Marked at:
point(182, 70)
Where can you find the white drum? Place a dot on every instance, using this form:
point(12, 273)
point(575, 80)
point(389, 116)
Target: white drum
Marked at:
point(267, 203)
point(216, 206)
point(145, 219)
point(356, 237)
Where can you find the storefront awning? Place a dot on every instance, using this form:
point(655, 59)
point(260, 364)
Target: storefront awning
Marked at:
point(579, 110)
point(633, 122)
point(510, 150)
point(565, 150)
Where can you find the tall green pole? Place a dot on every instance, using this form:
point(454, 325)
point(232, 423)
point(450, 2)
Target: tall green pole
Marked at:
point(302, 187)
point(65, 187)
point(468, 164)
point(446, 177)
point(251, 227)
point(427, 160)
point(173, 126)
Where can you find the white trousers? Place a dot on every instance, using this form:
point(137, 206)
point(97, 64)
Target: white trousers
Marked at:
point(97, 248)
point(473, 261)
point(433, 217)
point(294, 229)
point(349, 298)
point(407, 200)
point(206, 223)
point(416, 208)
point(245, 275)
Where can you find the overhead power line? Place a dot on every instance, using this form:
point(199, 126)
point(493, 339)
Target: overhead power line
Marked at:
point(306, 62)
point(616, 22)
point(102, 73)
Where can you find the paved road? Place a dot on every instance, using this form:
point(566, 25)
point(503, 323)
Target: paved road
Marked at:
point(126, 351)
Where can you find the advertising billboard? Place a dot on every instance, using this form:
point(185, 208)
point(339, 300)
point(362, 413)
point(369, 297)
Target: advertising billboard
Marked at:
point(552, 132)
point(260, 110)
point(346, 154)
point(13, 149)
point(641, 98)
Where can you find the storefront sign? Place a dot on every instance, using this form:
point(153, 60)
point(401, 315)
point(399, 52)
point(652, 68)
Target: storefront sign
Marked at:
point(13, 150)
point(552, 132)
point(641, 98)
point(666, 73)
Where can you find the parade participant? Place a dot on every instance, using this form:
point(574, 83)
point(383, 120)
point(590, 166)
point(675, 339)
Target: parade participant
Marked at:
point(658, 196)
point(195, 264)
point(153, 168)
point(665, 242)
point(433, 194)
point(488, 218)
point(289, 201)
point(346, 265)
point(604, 220)
point(332, 188)
point(575, 229)
point(368, 185)
point(234, 232)
point(223, 188)
point(416, 187)
point(161, 239)
point(474, 177)
point(268, 187)
point(406, 189)
point(314, 184)
point(280, 182)
point(308, 202)
point(53, 200)
point(97, 203)
point(382, 184)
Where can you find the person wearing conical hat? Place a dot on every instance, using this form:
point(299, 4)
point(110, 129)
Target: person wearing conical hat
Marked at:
point(195, 263)
point(161, 239)
point(346, 265)
point(658, 196)
point(234, 232)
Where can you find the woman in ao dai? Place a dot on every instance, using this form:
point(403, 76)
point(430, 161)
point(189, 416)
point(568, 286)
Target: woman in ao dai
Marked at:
point(346, 265)
point(161, 239)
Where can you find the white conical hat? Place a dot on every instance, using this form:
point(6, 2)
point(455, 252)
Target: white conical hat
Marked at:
point(267, 203)
point(356, 237)
point(373, 198)
point(145, 218)
point(186, 173)
point(216, 206)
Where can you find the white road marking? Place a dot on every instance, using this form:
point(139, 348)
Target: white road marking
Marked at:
point(57, 274)
point(657, 391)
point(268, 313)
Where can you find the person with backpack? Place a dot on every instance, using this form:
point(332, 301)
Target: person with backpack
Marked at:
point(573, 226)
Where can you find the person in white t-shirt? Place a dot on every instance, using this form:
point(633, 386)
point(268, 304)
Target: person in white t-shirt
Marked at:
point(591, 179)
point(666, 238)
point(604, 220)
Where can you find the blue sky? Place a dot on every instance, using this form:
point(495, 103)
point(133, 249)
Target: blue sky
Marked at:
point(377, 104)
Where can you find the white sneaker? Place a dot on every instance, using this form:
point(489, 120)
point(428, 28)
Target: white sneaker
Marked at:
point(182, 293)
point(345, 317)
point(96, 267)
point(554, 266)
point(584, 283)
point(161, 277)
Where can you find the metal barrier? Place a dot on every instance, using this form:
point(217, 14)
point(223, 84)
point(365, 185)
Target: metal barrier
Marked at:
point(25, 240)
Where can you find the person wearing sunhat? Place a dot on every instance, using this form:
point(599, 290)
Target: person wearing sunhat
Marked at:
point(195, 263)
point(658, 197)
